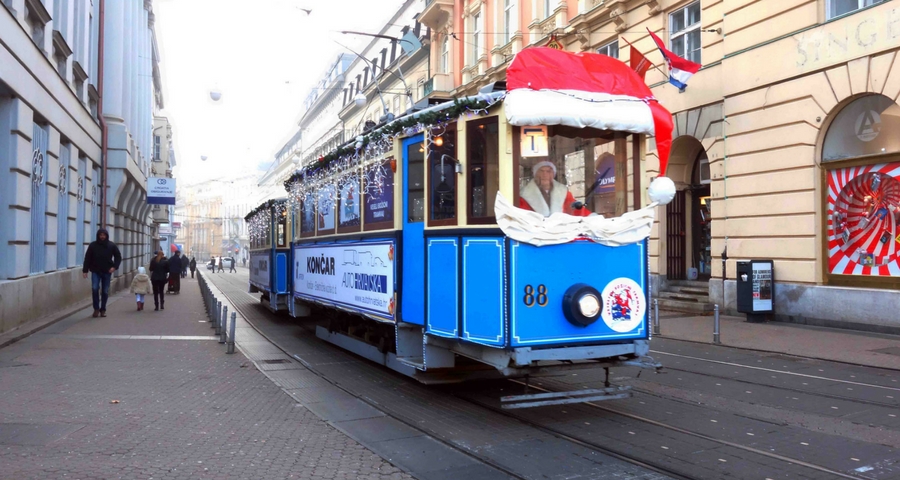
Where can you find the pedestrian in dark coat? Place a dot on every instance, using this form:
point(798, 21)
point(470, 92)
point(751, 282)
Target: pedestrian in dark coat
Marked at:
point(193, 266)
point(232, 269)
point(159, 271)
point(102, 258)
point(175, 272)
point(184, 266)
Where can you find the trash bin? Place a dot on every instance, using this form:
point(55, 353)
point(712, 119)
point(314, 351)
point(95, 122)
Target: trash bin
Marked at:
point(756, 289)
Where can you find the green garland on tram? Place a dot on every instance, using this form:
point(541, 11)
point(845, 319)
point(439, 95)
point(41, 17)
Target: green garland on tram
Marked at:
point(459, 108)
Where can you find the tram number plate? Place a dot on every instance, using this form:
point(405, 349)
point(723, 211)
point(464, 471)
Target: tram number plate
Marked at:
point(535, 297)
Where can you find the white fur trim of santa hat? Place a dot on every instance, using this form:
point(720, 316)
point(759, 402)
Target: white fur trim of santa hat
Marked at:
point(537, 166)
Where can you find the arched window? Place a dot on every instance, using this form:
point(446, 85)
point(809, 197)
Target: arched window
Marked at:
point(861, 160)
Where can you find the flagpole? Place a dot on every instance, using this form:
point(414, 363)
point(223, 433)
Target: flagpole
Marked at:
point(651, 63)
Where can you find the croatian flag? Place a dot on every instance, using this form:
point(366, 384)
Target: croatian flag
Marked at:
point(680, 70)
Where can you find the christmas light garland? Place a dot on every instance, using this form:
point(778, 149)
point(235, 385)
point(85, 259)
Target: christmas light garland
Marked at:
point(363, 160)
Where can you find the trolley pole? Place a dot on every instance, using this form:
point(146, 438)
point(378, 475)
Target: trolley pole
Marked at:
point(231, 332)
point(716, 326)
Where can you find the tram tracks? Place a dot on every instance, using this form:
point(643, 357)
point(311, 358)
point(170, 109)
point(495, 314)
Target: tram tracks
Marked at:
point(649, 464)
point(607, 448)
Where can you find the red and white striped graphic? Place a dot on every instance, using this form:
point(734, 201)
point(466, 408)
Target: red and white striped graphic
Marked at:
point(863, 218)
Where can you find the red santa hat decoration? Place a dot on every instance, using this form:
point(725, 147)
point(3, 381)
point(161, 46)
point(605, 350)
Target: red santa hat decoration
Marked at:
point(554, 87)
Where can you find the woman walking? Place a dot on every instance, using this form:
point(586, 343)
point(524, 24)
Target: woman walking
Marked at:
point(140, 286)
point(193, 266)
point(159, 268)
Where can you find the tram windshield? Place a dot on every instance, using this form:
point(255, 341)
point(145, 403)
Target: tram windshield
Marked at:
point(569, 174)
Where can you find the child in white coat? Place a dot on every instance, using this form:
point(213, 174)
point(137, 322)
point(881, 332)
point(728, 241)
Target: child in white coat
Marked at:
point(140, 286)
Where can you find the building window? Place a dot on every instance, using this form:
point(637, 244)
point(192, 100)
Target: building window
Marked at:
point(547, 8)
point(157, 144)
point(476, 38)
point(837, 8)
point(445, 55)
point(684, 39)
point(862, 205)
point(509, 20)
point(610, 49)
point(483, 168)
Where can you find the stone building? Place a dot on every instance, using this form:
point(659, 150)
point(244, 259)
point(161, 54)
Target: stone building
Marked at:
point(57, 121)
point(784, 146)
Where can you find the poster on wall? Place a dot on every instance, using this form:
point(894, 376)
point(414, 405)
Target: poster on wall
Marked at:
point(348, 214)
point(357, 276)
point(326, 208)
point(259, 269)
point(863, 216)
point(379, 200)
point(762, 286)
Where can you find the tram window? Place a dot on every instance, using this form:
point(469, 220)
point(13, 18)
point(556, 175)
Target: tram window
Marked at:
point(308, 215)
point(572, 172)
point(348, 205)
point(415, 188)
point(442, 178)
point(325, 217)
point(379, 197)
point(282, 241)
point(483, 169)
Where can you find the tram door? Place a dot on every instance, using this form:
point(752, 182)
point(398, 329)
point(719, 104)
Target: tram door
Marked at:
point(412, 293)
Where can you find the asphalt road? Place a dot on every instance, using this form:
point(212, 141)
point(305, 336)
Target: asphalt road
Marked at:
point(715, 412)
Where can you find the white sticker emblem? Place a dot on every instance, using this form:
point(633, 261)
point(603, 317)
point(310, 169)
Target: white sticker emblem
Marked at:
point(624, 305)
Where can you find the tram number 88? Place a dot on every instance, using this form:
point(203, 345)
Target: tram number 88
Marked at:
point(539, 296)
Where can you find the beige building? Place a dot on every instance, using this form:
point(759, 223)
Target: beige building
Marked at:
point(780, 150)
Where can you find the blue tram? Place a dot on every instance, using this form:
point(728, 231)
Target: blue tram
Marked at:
point(504, 234)
point(270, 253)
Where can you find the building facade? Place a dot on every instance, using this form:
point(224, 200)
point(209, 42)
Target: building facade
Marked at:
point(784, 146)
point(163, 232)
point(56, 181)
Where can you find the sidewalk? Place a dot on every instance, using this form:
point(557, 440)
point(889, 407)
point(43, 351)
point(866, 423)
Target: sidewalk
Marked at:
point(153, 395)
point(850, 346)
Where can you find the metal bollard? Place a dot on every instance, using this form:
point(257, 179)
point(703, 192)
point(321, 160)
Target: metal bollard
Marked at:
point(231, 333)
point(221, 330)
point(218, 317)
point(716, 326)
point(656, 317)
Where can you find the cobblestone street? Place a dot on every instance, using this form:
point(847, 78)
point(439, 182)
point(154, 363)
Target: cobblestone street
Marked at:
point(83, 400)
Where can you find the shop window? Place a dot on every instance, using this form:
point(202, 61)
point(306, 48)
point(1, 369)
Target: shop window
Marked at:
point(611, 49)
point(415, 187)
point(378, 212)
point(861, 128)
point(442, 164)
point(862, 205)
point(482, 169)
point(349, 205)
point(558, 173)
point(684, 25)
point(837, 8)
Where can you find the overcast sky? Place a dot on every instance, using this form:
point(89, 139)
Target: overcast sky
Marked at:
point(264, 56)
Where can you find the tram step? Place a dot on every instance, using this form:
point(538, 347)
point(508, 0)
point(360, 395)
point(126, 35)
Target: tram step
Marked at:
point(416, 362)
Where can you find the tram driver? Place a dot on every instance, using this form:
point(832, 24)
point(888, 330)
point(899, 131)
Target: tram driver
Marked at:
point(544, 195)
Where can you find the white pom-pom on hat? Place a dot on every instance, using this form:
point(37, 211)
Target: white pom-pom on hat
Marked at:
point(661, 190)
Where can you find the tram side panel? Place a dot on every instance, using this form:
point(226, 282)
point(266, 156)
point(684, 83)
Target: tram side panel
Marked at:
point(260, 274)
point(502, 293)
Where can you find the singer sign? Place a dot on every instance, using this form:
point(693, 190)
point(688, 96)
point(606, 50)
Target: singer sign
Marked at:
point(161, 191)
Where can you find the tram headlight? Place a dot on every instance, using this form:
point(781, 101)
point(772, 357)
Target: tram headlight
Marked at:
point(581, 304)
point(589, 305)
